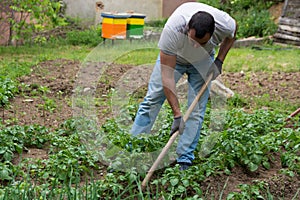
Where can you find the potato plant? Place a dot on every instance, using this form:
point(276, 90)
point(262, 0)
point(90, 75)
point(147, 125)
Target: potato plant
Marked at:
point(247, 140)
point(8, 89)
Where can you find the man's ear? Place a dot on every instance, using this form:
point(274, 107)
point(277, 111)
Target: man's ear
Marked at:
point(187, 29)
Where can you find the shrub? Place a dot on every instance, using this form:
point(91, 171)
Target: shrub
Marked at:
point(90, 37)
point(157, 23)
point(255, 23)
point(28, 17)
point(252, 16)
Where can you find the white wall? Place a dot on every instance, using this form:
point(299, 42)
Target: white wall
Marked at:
point(86, 9)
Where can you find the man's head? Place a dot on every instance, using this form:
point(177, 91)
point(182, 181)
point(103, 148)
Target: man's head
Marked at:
point(201, 27)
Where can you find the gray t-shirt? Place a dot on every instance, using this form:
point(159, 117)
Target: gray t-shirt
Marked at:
point(174, 41)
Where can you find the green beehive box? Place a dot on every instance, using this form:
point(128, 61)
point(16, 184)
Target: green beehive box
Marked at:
point(135, 26)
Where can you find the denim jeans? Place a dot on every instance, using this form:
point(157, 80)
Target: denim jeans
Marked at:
point(150, 107)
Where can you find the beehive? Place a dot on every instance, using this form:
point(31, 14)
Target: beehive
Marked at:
point(114, 25)
point(135, 26)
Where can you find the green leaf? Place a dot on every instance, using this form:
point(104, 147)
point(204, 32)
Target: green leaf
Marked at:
point(230, 196)
point(186, 183)
point(18, 147)
point(227, 171)
point(4, 175)
point(257, 158)
point(174, 181)
point(247, 161)
point(253, 167)
point(8, 155)
point(45, 175)
point(164, 181)
point(266, 165)
point(181, 189)
point(259, 152)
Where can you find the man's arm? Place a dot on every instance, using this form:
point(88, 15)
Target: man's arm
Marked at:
point(226, 45)
point(168, 63)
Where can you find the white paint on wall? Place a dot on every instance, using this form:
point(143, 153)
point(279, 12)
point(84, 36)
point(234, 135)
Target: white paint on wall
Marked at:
point(86, 9)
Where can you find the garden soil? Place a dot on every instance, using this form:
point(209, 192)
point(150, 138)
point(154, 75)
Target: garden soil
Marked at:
point(60, 75)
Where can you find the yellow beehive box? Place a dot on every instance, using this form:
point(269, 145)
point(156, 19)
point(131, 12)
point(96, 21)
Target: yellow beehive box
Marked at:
point(114, 25)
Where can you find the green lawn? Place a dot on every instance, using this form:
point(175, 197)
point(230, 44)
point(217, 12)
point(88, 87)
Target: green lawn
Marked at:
point(269, 58)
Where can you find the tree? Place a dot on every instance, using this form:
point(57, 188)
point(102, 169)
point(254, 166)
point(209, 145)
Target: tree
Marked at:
point(23, 18)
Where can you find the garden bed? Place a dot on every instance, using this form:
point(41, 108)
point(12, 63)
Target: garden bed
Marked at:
point(59, 77)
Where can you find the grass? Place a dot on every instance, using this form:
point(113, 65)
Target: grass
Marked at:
point(17, 61)
point(139, 57)
point(268, 59)
point(45, 52)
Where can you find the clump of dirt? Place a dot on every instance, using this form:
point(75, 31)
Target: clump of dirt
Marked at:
point(59, 77)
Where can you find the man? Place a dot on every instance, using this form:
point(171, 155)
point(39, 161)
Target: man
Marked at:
point(187, 47)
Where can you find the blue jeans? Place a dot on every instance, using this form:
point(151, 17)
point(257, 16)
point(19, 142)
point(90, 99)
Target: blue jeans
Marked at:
point(155, 97)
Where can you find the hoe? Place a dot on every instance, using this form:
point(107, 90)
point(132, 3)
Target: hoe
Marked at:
point(173, 137)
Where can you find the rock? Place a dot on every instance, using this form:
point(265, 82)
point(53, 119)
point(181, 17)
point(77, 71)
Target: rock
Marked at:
point(218, 88)
point(246, 42)
point(86, 89)
point(28, 100)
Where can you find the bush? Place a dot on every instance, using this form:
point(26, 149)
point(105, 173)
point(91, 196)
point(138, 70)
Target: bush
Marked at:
point(252, 16)
point(157, 23)
point(27, 17)
point(255, 23)
point(90, 37)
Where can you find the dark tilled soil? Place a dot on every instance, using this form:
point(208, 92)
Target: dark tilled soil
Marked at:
point(60, 76)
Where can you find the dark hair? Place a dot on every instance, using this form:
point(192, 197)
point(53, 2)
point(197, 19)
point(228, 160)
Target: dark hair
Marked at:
point(203, 23)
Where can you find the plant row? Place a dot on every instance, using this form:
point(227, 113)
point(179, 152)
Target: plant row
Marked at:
point(76, 168)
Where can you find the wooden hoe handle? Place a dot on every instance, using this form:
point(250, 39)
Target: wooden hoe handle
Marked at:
point(173, 137)
point(293, 114)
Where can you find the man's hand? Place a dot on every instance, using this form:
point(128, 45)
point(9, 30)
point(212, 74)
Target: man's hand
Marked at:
point(177, 125)
point(215, 68)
